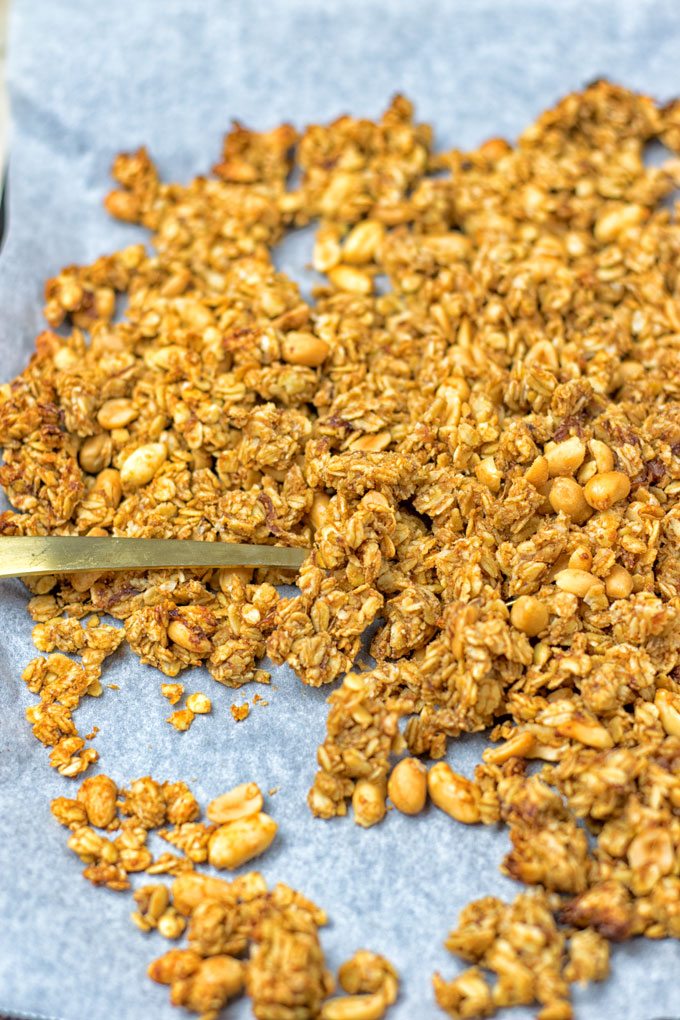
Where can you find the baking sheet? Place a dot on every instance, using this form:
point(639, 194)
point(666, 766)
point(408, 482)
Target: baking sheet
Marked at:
point(87, 80)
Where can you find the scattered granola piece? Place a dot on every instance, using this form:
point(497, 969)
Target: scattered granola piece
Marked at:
point(180, 803)
point(199, 704)
point(240, 712)
point(145, 802)
point(372, 985)
point(181, 719)
point(173, 692)
point(285, 970)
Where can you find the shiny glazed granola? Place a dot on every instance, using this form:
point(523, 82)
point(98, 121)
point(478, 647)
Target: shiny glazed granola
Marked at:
point(475, 425)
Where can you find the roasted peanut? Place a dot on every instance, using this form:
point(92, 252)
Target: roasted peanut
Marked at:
point(651, 855)
point(586, 731)
point(241, 802)
point(407, 786)
point(108, 483)
point(454, 794)
point(668, 706)
point(239, 841)
point(567, 496)
point(98, 794)
point(142, 464)
point(581, 559)
point(362, 242)
point(614, 221)
point(520, 745)
point(171, 924)
point(618, 582)
point(304, 349)
point(350, 279)
point(488, 474)
point(192, 888)
point(226, 576)
point(604, 458)
point(565, 458)
point(606, 489)
point(95, 453)
point(576, 582)
point(538, 472)
point(368, 801)
point(529, 615)
point(190, 637)
point(354, 1007)
point(117, 413)
point(317, 514)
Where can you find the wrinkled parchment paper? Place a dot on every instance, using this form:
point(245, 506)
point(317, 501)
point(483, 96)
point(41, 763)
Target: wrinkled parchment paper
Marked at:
point(87, 80)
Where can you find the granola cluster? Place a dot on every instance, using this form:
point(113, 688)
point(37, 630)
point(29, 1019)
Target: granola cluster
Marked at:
point(237, 831)
point(61, 682)
point(240, 934)
point(474, 425)
point(284, 974)
point(533, 960)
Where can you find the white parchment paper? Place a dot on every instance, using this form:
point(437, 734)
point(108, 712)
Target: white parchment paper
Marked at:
point(88, 79)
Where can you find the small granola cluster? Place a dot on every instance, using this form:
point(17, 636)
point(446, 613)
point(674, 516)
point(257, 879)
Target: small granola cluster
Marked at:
point(284, 974)
point(238, 831)
point(474, 425)
point(532, 959)
point(61, 682)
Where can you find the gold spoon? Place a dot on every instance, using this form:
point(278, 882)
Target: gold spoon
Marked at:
point(57, 554)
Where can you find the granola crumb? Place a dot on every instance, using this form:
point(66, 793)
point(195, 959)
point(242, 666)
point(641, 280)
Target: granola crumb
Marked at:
point(173, 692)
point(240, 712)
point(181, 719)
point(199, 704)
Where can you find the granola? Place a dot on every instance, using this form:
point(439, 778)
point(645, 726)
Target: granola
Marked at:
point(284, 974)
point(474, 424)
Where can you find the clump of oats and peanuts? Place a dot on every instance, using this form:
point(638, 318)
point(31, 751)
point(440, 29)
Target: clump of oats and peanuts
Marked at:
point(474, 425)
point(241, 935)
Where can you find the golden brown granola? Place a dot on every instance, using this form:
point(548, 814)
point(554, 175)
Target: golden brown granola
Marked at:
point(285, 973)
point(532, 959)
point(243, 831)
point(484, 455)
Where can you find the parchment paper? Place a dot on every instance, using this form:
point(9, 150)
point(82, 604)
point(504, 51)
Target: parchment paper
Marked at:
point(87, 80)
